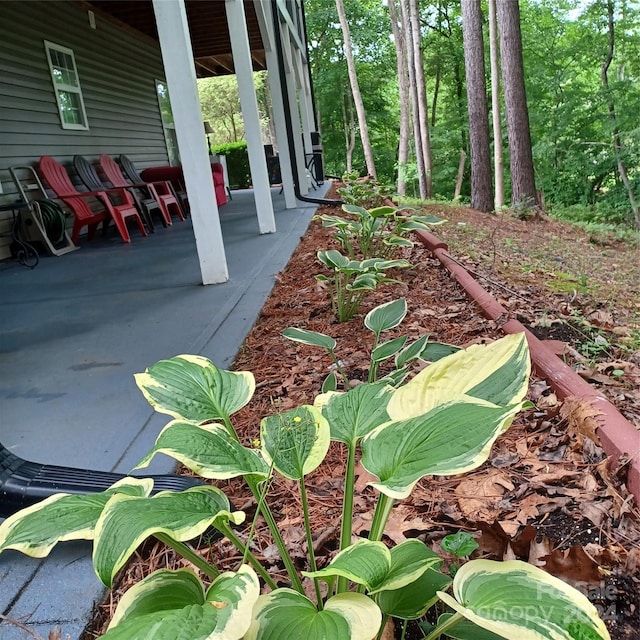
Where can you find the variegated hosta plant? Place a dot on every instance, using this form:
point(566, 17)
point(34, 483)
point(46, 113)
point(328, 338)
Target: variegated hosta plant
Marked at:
point(378, 231)
point(404, 353)
point(442, 422)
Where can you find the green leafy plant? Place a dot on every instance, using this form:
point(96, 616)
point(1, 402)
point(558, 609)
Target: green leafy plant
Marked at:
point(377, 231)
point(363, 191)
point(440, 423)
point(380, 319)
point(352, 280)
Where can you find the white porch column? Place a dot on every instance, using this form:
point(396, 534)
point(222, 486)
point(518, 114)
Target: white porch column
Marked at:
point(249, 104)
point(177, 56)
point(275, 89)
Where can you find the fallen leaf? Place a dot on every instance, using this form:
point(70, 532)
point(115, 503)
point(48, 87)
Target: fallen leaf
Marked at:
point(572, 565)
point(528, 507)
point(596, 510)
point(479, 495)
point(400, 521)
point(581, 415)
point(510, 527)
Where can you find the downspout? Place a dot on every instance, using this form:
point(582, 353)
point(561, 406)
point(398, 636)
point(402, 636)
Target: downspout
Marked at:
point(24, 483)
point(287, 114)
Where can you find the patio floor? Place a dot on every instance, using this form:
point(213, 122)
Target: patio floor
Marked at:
point(75, 329)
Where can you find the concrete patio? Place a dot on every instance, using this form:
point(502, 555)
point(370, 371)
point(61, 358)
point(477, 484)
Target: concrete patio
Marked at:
point(75, 329)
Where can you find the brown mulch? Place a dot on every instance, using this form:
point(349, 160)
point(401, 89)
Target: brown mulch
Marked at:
point(547, 495)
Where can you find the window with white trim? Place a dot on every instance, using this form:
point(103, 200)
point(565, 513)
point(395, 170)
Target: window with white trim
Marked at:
point(66, 84)
point(168, 124)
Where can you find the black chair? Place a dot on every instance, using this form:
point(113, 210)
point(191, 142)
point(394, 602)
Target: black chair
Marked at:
point(90, 178)
point(132, 173)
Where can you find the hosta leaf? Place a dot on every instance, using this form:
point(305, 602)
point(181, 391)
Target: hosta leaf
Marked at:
point(364, 281)
point(466, 630)
point(172, 605)
point(313, 338)
point(376, 567)
point(390, 264)
point(208, 450)
point(332, 221)
point(364, 562)
point(449, 440)
point(285, 614)
point(330, 383)
point(126, 521)
point(412, 352)
point(397, 241)
point(388, 349)
point(35, 530)
point(498, 373)
point(517, 600)
point(414, 599)
point(353, 414)
point(355, 210)
point(397, 377)
point(436, 350)
point(386, 316)
point(378, 212)
point(409, 560)
point(296, 441)
point(423, 223)
point(193, 388)
point(333, 259)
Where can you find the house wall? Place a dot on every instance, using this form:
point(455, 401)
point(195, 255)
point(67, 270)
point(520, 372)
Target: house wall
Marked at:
point(117, 68)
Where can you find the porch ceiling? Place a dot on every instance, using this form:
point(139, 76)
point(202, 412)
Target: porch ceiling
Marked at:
point(207, 25)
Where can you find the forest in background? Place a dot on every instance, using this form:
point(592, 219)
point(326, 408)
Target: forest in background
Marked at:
point(581, 66)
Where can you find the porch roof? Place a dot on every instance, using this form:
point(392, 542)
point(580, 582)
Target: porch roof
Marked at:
point(208, 28)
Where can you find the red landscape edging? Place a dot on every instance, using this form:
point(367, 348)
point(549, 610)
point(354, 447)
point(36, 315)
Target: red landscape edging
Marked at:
point(618, 437)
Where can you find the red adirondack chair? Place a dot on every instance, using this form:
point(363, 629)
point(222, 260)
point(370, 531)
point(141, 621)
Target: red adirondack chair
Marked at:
point(56, 176)
point(161, 191)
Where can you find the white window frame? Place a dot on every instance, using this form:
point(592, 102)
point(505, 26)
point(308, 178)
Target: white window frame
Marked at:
point(68, 88)
point(174, 156)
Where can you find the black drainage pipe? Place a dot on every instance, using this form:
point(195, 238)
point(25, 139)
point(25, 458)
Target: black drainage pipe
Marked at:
point(24, 483)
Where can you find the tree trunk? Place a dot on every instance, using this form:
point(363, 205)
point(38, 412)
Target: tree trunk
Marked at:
point(421, 90)
point(406, 26)
point(479, 145)
point(403, 90)
point(523, 187)
point(355, 90)
point(349, 130)
point(498, 166)
point(617, 143)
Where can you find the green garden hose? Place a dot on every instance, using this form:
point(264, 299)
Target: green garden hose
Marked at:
point(53, 220)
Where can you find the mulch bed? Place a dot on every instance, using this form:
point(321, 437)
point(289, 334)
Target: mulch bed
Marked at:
point(547, 495)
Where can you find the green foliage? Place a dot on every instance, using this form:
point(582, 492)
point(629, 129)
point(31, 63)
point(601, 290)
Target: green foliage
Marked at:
point(237, 163)
point(380, 319)
point(460, 544)
point(564, 46)
point(352, 280)
point(366, 582)
point(365, 192)
point(377, 231)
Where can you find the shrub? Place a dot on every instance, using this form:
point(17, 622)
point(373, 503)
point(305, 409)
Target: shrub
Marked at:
point(237, 163)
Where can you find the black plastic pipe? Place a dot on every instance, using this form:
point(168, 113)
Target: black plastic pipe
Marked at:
point(24, 483)
point(287, 115)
